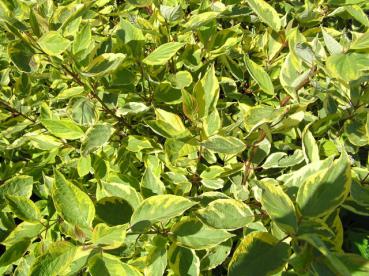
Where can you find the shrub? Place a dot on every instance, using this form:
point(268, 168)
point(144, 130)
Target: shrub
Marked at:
point(174, 137)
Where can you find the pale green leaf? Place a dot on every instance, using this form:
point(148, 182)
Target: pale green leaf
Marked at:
point(71, 203)
point(266, 13)
point(361, 43)
point(163, 53)
point(22, 56)
point(109, 237)
point(278, 205)
point(324, 191)
point(104, 64)
point(84, 165)
point(160, 208)
point(347, 67)
point(55, 260)
point(24, 230)
point(156, 260)
point(24, 208)
point(226, 214)
point(64, 128)
point(227, 145)
point(200, 19)
point(96, 137)
point(192, 233)
point(20, 185)
point(260, 76)
point(309, 146)
point(183, 261)
point(53, 43)
point(14, 252)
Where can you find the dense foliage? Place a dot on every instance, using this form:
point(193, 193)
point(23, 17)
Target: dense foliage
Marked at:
point(184, 137)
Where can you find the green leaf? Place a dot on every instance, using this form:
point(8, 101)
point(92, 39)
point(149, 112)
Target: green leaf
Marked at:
point(34, 23)
point(200, 19)
point(79, 261)
point(227, 145)
point(192, 233)
point(309, 146)
point(22, 56)
point(124, 191)
point(106, 264)
point(359, 192)
point(168, 124)
point(183, 261)
point(282, 160)
point(71, 92)
point(160, 208)
point(190, 105)
point(56, 259)
point(183, 79)
point(260, 76)
point(137, 143)
point(64, 128)
point(156, 260)
point(347, 67)
point(278, 205)
point(127, 32)
point(109, 210)
point(109, 237)
point(23, 208)
point(140, 3)
point(345, 2)
point(259, 253)
point(358, 13)
point(53, 43)
point(361, 43)
point(226, 214)
point(266, 13)
point(332, 45)
point(83, 111)
point(206, 93)
point(356, 265)
point(324, 191)
point(44, 142)
point(82, 42)
point(14, 252)
point(72, 204)
point(163, 53)
point(173, 120)
point(20, 185)
point(103, 64)
point(216, 255)
point(335, 262)
point(151, 184)
point(84, 165)
point(24, 230)
point(132, 38)
point(96, 137)
point(170, 13)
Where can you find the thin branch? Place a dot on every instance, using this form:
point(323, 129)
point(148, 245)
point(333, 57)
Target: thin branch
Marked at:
point(15, 111)
point(93, 92)
point(248, 162)
point(305, 81)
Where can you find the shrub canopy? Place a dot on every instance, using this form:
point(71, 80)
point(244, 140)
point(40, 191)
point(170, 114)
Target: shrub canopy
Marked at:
point(175, 137)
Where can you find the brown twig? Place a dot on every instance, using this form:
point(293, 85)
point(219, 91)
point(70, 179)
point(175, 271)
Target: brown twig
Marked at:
point(305, 81)
point(16, 112)
point(248, 162)
point(93, 93)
